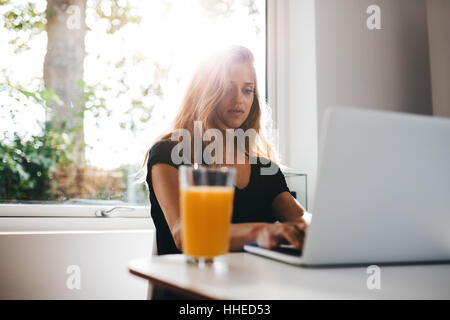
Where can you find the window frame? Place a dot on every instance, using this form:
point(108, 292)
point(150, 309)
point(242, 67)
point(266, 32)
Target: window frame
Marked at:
point(292, 85)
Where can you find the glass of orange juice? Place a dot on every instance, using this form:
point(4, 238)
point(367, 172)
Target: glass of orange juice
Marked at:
point(206, 203)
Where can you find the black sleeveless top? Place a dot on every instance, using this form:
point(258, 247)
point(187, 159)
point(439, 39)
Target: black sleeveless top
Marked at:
point(251, 204)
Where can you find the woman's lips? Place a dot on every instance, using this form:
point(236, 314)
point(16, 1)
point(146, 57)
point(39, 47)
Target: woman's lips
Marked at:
point(236, 112)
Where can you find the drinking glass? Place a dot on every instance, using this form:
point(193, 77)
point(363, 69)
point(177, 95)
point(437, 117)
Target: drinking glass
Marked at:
point(206, 203)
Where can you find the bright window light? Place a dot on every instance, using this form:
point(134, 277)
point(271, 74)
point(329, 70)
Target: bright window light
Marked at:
point(136, 69)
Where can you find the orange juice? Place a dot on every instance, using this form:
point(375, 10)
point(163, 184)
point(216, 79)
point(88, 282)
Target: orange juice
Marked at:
point(206, 218)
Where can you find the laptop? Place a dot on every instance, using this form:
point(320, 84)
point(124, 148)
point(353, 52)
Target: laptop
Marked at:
point(382, 193)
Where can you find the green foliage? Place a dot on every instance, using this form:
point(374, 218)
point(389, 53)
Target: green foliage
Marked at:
point(42, 97)
point(26, 166)
point(92, 100)
point(26, 20)
point(117, 13)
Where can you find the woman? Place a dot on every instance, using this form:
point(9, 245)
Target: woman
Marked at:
point(223, 95)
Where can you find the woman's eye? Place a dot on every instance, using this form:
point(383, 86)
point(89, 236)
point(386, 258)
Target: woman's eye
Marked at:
point(249, 91)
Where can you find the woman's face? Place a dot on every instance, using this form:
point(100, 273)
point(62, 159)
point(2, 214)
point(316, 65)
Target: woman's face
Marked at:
point(234, 108)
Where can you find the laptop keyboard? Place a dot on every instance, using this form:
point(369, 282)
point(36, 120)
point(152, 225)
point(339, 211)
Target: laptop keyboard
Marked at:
point(288, 249)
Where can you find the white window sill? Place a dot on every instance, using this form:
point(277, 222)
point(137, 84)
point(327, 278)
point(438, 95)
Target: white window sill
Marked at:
point(71, 210)
point(64, 218)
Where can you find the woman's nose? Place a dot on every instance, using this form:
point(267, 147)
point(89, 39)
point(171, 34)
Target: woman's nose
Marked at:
point(238, 96)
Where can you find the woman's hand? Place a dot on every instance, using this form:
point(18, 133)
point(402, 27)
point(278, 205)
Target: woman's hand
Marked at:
point(271, 235)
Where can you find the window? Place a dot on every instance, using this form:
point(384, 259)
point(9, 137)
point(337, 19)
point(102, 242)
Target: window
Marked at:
point(87, 88)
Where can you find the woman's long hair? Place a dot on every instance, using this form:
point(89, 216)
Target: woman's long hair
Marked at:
point(206, 89)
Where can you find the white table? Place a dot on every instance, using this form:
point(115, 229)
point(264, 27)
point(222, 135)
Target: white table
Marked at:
point(247, 276)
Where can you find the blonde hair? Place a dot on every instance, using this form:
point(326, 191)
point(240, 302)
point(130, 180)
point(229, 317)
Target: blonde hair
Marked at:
point(206, 89)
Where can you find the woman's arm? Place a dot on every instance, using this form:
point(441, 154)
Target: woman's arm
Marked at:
point(265, 234)
point(167, 192)
point(287, 208)
point(245, 233)
point(294, 221)
point(290, 212)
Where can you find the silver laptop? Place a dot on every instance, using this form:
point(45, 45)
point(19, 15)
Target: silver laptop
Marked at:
point(382, 194)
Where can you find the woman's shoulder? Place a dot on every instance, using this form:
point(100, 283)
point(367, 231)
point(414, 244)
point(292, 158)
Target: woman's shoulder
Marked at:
point(263, 162)
point(162, 146)
point(265, 168)
point(161, 152)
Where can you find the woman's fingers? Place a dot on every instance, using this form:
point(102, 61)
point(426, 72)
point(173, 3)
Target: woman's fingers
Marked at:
point(301, 226)
point(294, 235)
point(275, 234)
point(267, 238)
point(291, 233)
